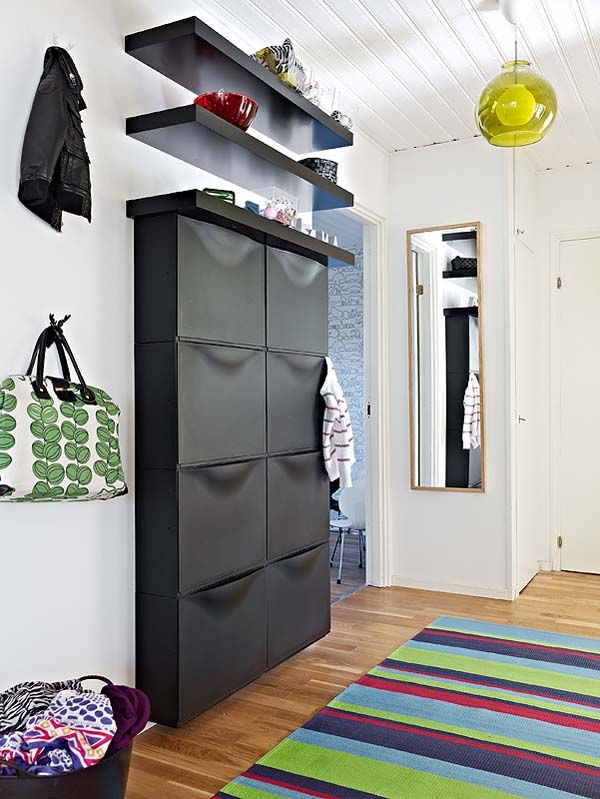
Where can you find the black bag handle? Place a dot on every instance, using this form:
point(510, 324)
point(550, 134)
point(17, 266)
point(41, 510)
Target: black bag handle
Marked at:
point(64, 364)
point(49, 336)
point(105, 680)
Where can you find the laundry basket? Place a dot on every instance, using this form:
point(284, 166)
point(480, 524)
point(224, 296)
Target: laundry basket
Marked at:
point(106, 780)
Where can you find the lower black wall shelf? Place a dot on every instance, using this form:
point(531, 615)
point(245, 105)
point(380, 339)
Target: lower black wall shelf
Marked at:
point(195, 204)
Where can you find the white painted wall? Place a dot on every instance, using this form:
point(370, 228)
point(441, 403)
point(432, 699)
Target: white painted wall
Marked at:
point(67, 587)
point(451, 540)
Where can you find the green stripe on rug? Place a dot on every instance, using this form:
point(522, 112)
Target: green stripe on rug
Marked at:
point(555, 706)
point(476, 735)
point(493, 668)
point(370, 776)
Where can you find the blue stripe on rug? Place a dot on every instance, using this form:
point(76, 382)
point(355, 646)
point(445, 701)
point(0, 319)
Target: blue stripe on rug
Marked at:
point(571, 739)
point(518, 633)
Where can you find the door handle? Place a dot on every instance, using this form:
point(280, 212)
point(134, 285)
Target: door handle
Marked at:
point(522, 419)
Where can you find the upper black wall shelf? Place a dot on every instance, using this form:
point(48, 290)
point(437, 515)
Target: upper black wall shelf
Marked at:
point(458, 273)
point(471, 310)
point(197, 57)
point(198, 205)
point(205, 140)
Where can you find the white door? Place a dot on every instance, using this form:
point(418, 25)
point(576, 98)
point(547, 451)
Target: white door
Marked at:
point(422, 359)
point(578, 305)
point(531, 515)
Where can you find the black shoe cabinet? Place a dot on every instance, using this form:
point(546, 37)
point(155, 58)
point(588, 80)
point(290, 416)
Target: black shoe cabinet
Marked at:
point(231, 308)
point(232, 496)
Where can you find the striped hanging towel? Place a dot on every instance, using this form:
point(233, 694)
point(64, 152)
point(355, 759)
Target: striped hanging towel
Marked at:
point(338, 439)
point(472, 419)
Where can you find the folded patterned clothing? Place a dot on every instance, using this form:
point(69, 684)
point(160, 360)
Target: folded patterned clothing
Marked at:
point(21, 701)
point(74, 732)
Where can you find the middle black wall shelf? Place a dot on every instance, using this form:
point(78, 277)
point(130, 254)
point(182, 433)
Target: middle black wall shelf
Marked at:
point(205, 140)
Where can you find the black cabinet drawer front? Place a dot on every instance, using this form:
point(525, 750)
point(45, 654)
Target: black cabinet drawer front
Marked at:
point(222, 521)
point(297, 302)
point(221, 403)
point(295, 406)
point(157, 544)
point(298, 503)
point(222, 642)
point(221, 295)
point(157, 655)
point(298, 602)
point(156, 405)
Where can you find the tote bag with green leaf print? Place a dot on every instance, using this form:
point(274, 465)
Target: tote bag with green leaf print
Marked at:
point(59, 440)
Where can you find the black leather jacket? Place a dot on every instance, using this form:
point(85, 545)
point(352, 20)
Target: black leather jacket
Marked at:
point(55, 168)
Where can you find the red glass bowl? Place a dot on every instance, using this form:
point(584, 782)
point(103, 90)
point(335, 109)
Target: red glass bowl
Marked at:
point(235, 108)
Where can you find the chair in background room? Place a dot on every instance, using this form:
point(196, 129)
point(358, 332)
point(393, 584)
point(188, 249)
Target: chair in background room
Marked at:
point(352, 505)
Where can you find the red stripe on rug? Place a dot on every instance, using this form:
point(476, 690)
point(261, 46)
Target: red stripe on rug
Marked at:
point(496, 705)
point(249, 775)
point(517, 644)
point(514, 688)
point(473, 744)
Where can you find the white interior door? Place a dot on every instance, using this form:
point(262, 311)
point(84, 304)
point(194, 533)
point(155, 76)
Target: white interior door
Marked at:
point(530, 512)
point(578, 305)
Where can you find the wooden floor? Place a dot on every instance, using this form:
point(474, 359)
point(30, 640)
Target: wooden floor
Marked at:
point(199, 758)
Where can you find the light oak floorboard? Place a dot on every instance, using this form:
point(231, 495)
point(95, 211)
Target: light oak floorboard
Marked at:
point(196, 760)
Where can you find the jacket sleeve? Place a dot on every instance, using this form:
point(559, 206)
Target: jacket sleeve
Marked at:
point(344, 442)
point(44, 141)
point(330, 417)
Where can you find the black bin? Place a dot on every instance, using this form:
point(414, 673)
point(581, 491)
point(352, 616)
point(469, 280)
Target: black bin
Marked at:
point(106, 780)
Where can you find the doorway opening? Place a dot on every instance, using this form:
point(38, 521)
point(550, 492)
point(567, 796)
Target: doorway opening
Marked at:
point(348, 525)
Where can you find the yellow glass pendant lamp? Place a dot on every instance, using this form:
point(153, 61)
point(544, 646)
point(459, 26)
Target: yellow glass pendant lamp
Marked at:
point(517, 107)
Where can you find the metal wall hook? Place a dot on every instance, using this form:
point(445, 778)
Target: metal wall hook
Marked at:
point(60, 322)
point(56, 43)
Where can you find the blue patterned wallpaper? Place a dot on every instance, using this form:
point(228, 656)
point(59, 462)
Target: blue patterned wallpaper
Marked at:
point(346, 323)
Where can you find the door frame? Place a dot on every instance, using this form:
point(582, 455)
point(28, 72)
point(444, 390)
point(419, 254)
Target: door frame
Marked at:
point(556, 239)
point(377, 449)
point(437, 363)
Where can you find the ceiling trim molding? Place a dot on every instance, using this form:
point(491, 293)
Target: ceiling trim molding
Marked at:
point(438, 144)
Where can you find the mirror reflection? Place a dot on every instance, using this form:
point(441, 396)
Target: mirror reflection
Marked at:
point(446, 380)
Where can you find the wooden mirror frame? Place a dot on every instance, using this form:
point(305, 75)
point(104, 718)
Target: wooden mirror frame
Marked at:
point(411, 377)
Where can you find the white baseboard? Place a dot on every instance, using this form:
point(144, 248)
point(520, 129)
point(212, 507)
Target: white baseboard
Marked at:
point(546, 565)
point(454, 588)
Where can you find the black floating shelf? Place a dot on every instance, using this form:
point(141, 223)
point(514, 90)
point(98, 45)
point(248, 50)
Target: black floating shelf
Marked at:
point(195, 135)
point(197, 57)
point(454, 273)
point(471, 310)
point(198, 205)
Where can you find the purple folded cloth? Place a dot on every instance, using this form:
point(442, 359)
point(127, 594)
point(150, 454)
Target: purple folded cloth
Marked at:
point(131, 712)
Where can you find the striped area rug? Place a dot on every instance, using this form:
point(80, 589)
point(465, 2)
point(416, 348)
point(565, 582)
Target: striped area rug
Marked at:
point(465, 709)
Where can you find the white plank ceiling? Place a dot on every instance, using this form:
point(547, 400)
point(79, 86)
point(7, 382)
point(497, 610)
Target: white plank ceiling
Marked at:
point(412, 70)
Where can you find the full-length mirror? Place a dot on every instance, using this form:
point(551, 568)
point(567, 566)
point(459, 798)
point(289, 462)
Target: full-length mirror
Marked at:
point(445, 357)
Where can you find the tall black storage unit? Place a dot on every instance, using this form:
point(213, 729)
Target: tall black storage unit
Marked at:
point(232, 499)
point(461, 464)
